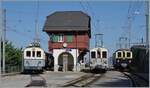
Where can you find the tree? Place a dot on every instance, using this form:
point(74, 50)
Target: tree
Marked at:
point(13, 55)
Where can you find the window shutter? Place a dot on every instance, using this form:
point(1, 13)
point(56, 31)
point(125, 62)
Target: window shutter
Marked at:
point(69, 38)
point(55, 38)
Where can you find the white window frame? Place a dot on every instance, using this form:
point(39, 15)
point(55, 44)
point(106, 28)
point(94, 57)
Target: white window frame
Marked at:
point(102, 54)
point(118, 54)
point(130, 54)
point(60, 37)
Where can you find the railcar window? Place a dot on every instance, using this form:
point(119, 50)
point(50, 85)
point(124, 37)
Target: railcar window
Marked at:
point(93, 54)
point(123, 54)
point(98, 54)
point(128, 54)
point(104, 54)
point(28, 53)
point(33, 53)
point(38, 53)
point(119, 54)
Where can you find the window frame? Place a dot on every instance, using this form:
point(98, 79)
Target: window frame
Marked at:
point(37, 54)
point(60, 38)
point(127, 54)
point(98, 54)
point(104, 54)
point(33, 54)
point(124, 54)
point(27, 54)
point(120, 54)
point(92, 54)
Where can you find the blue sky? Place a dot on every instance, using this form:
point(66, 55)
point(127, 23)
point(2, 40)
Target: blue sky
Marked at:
point(112, 16)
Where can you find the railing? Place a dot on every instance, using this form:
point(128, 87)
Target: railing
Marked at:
point(13, 68)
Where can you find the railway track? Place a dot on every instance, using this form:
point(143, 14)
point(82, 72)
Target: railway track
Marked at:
point(137, 81)
point(37, 81)
point(83, 81)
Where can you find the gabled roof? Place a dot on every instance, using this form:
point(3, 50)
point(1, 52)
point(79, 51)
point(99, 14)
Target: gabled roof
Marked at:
point(67, 21)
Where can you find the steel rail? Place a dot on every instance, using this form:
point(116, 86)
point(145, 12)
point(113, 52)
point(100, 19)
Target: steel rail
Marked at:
point(137, 81)
point(83, 81)
point(134, 84)
point(37, 83)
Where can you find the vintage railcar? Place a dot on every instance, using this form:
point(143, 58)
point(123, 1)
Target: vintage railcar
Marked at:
point(122, 58)
point(33, 58)
point(99, 59)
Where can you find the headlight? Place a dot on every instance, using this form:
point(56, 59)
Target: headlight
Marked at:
point(27, 62)
point(130, 61)
point(40, 62)
point(105, 62)
point(118, 61)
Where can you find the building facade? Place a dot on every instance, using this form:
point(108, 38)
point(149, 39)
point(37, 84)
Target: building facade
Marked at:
point(69, 33)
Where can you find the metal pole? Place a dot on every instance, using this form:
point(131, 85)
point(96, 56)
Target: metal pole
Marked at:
point(97, 38)
point(147, 24)
point(95, 41)
point(4, 31)
point(129, 29)
point(36, 24)
point(0, 34)
point(76, 53)
point(102, 40)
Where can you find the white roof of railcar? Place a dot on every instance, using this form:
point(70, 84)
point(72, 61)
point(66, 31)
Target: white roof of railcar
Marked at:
point(123, 50)
point(36, 48)
point(98, 48)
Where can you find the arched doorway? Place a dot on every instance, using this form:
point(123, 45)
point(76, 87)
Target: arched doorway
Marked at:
point(65, 62)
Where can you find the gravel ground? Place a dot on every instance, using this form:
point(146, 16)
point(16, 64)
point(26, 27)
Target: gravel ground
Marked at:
point(53, 79)
point(113, 79)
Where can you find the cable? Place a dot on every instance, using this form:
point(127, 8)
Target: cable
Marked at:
point(36, 23)
point(93, 14)
point(22, 34)
point(131, 15)
point(84, 9)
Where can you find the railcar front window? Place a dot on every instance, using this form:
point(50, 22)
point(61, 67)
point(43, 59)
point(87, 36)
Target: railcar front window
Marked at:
point(38, 54)
point(93, 55)
point(98, 54)
point(28, 53)
point(123, 54)
point(33, 53)
point(128, 54)
point(104, 54)
point(119, 54)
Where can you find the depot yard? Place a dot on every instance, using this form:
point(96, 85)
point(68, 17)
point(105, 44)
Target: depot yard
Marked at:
point(52, 79)
point(70, 79)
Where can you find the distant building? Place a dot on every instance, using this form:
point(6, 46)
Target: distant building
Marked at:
point(69, 33)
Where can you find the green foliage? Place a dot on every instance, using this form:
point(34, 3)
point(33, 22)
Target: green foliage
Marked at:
point(13, 55)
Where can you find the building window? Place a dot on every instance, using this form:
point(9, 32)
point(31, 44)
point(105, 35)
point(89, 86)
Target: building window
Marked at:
point(93, 55)
point(38, 53)
point(28, 53)
point(69, 38)
point(57, 38)
point(104, 53)
point(60, 38)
